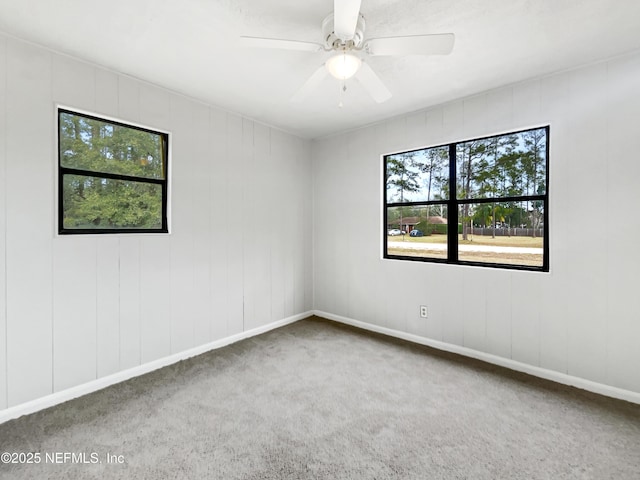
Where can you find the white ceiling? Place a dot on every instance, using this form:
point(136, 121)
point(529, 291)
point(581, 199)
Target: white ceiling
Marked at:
point(189, 46)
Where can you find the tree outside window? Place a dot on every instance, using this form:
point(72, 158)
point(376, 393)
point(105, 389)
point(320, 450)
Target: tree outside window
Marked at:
point(112, 176)
point(482, 202)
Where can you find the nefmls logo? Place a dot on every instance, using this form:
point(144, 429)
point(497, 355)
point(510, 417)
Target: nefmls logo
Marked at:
point(72, 457)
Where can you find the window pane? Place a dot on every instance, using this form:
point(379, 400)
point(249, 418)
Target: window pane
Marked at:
point(502, 232)
point(505, 166)
point(418, 176)
point(104, 147)
point(533, 161)
point(425, 231)
point(100, 203)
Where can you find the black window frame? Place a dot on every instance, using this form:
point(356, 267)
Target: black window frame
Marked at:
point(62, 171)
point(453, 203)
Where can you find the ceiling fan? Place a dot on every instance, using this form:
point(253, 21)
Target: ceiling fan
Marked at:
point(343, 34)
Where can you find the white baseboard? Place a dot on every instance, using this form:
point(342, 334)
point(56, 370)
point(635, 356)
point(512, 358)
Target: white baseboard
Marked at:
point(95, 385)
point(558, 377)
point(90, 387)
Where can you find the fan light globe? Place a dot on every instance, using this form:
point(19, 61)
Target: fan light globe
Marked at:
point(343, 66)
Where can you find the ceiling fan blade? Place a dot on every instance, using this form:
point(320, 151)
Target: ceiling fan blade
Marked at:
point(372, 84)
point(311, 84)
point(259, 42)
point(438, 44)
point(345, 18)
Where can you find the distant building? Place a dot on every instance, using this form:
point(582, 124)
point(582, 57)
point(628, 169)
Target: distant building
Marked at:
point(409, 223)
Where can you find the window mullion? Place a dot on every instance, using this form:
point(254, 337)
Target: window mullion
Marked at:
point(452, 209)
point(112, 176)
point(96, 197)
point(506, 180)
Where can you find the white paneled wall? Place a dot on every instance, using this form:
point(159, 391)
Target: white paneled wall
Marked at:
point(3, 221)
point(107, 306)
point(582, 318)
point(78, 308)
point(623, 196)
point(29, 187)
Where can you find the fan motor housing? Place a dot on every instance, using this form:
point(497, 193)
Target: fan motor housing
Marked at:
point(333, 42)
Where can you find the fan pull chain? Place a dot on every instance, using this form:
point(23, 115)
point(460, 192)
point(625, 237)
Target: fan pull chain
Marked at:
point(343, 88)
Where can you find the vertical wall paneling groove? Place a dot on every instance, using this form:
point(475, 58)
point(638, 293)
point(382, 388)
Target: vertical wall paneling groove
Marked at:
point(474, 116)
point(234, 224)
point(282, 148)
point(525, 318)
point(128, 99)
point(452, 122)
point(415, 129)
point(106, 89)
point(298, 232)
point(218, 220)
point(155, 298)
point(181, 239)
point(74, 311)
point(341, 239)
point(307, 227)
point(3, 230)
point(499, 288)
point(554, 325)
point(201, 207)
point(107, 306)
point(434, 126)
point(474, 300)
point(452, 312)
point(353, 226)
point(527, 102)
point(290, 260)
point(326, 221)
point(277, 243)
point(500, 117)
point(301, 191)
point(130, 340)
point(264, 215)
point(248, 233)
point(74, 83)
point(273, 214)
point(29, 165)
point(287, 210)
point(298, 237)
point(586, 319)
point(434, 326)
point(318, 154)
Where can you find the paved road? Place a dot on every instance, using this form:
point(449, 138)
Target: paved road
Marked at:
point(464, 248)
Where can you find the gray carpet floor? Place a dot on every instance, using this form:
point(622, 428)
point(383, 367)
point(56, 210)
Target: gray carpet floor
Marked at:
point(318, 400)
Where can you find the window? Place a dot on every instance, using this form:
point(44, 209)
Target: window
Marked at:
point(477, 202)
point(112, 177)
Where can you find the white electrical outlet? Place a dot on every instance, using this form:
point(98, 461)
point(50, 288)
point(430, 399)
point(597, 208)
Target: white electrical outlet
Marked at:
point(423, 311)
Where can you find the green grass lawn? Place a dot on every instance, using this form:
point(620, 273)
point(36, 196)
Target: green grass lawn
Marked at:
point(510, 258)
point(475, 239)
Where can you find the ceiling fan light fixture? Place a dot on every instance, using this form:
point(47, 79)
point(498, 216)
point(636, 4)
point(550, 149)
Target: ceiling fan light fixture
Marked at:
point(343, 66)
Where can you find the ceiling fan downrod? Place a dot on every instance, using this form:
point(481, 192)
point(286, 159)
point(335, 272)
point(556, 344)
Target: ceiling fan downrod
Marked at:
point(333, 42)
